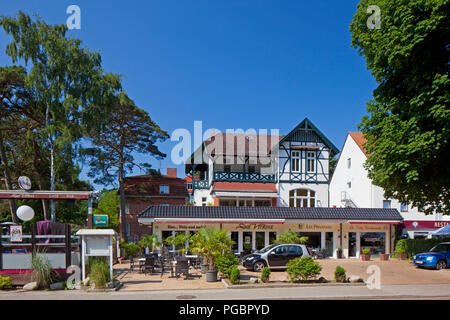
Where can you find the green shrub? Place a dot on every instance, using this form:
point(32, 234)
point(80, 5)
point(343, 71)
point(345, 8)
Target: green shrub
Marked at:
point(414, 246)
point(235, 276)
point(225, 263)
point(366, 251)
point(304, 268)
point(291, 237)
point(99, 274)
point(42, 271)
point(339, 274)
point(5, 283)
point(265, 274)
point(131, 249)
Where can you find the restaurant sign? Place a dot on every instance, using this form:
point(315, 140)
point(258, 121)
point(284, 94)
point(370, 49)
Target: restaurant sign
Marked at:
point(254, 226)
point(314, 226)
point(100, 220)
point(185, 227)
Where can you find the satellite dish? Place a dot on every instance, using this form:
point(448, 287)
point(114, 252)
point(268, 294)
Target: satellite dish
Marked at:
point(24, 183)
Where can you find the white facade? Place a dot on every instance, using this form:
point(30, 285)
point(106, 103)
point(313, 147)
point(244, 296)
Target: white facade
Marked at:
point(350, 186)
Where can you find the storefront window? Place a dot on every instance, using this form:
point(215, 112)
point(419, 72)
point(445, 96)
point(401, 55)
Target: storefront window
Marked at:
point(374, 241)
point(302, 198)
point(260, 240)
point(313, 238)
point(272, 237)
point(227, 203)
point(235, 239)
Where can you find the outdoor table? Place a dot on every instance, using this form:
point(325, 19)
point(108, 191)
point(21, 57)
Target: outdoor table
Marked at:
point(191, 257)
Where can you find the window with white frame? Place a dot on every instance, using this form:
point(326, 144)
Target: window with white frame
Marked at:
point(127, 208)
point(204, 202)
point(302, 198)
point(386, 204)
point(310, 161)
point(295, 161)
point(403, 207)
point(163, 189)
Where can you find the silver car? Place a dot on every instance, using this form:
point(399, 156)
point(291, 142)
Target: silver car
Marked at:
point(275, 256)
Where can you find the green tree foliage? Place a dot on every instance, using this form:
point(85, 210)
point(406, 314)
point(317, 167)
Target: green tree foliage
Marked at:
point(130, 130)
point(291, 237)
point(304, 268)
point(210, 243)
point(408, 126)
point(67, 84)
point(149, 241)
point(109, 204)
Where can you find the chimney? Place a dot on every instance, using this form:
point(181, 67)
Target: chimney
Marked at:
point(172, 172)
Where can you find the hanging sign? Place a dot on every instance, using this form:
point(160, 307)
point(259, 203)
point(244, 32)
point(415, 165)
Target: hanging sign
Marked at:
point(15, 233)
point(100, 220)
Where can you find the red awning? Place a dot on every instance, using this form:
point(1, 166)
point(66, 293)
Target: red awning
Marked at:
point(374, 222)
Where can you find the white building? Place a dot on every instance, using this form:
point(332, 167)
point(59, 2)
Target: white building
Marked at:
point(351, 187)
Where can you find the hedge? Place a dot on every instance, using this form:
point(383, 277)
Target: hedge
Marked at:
point(414, 246)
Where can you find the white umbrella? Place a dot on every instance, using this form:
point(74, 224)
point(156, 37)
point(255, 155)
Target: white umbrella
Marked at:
point(444, 231)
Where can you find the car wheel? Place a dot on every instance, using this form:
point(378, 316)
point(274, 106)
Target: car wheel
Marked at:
point(258, 266)
point(441, 265)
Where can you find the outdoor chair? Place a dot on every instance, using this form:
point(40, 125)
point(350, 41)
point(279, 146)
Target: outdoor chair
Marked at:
point(182, 267)
point(132, 264)
point(149, 265)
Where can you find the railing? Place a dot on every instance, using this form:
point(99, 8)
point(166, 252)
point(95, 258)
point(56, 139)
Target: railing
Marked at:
point(201, 184)
point(243, 176)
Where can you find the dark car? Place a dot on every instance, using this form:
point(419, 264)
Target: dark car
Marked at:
point(274, 256)
point(438, 257)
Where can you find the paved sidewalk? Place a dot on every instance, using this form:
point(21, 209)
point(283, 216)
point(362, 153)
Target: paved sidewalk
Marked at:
point(386, 292)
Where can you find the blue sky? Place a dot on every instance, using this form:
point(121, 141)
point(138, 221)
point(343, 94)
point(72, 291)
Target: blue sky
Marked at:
point(232, 64)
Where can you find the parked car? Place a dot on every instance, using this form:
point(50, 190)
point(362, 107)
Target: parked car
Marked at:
point(274, 256)
point(438, 257)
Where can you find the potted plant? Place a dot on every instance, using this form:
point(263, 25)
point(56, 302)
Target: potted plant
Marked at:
point(365, 256)
point(210, 243)
point(384, 256)
point(339, 253)
point(149, 241)
point(401, 253)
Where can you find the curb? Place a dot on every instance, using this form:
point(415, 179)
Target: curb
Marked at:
point(292, 285)
point(116, 288)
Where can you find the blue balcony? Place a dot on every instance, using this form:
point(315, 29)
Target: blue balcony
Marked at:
point(243, 177)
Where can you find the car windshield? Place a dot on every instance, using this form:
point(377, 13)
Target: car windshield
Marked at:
point(265, 249)
point(440, 248)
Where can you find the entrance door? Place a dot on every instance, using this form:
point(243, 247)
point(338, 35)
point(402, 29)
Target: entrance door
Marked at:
point(352, 244)
point(329, 243)
point(260, 239)
point(248, 239)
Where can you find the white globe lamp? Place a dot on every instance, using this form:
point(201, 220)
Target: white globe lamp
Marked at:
point(25, 213)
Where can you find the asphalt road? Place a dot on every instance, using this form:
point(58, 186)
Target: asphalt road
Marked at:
point(441, 291)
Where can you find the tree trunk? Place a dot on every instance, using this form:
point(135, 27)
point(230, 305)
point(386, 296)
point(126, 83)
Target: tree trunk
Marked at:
point(123, 220)
point(12, 202)
point(52, 178)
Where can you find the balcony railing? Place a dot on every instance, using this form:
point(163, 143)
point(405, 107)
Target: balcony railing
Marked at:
point(201, 184)
point(243, 177)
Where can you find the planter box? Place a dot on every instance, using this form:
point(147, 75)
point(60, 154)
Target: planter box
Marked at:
point(384, 257)
point(365, 257)
point(402, 256)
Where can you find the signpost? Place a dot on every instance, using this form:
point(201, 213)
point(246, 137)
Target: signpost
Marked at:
point(100, 220)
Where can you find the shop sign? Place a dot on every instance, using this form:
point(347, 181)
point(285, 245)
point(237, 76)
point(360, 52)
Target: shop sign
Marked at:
point(314, 226)
point(185, 227)
point(368, 227)
point(254, 226)
point(410, 224)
